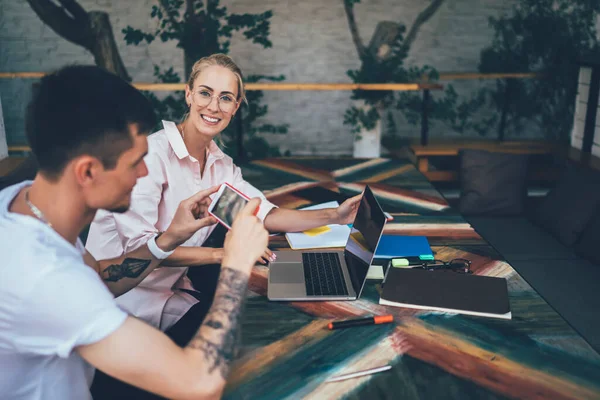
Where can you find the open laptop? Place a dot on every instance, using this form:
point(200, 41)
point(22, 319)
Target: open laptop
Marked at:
point(334, 275)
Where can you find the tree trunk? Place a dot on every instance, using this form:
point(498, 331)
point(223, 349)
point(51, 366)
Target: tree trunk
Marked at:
point(382, 40)
point(188, 57)
point(90, 30)
point(104, 48)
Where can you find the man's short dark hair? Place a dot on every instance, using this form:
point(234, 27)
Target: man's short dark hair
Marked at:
point(84, 110)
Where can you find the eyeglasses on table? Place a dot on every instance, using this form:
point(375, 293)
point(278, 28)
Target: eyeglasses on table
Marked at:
point(459, 265)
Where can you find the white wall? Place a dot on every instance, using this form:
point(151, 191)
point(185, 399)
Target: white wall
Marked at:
point(581, 102)
point(581, 106)
point(311, 43)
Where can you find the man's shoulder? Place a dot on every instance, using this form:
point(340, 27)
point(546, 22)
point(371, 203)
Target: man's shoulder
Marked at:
point(33, 261)
point(9, 193)
point(37, 249)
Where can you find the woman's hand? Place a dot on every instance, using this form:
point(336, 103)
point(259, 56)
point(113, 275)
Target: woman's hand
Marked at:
point(267, 257)
point(264, 259)
point(346, 213)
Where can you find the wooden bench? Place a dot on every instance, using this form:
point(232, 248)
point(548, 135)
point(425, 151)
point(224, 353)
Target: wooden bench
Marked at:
point(19, 148)
point(423, 154)
point(8, 164)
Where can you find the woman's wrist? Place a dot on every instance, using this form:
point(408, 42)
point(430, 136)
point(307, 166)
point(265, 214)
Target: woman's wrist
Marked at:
point(162, 245)
point(217, 255)
point(334, 217)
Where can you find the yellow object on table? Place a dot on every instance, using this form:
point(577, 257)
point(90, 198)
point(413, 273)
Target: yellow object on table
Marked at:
point(317, 231)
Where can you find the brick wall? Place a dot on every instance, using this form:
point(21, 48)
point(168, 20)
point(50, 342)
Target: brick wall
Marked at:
point(584, 97)
point(3, 144)
point(311, 43)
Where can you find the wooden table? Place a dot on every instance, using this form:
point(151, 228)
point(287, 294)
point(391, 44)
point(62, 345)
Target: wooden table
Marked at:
point(288, 352)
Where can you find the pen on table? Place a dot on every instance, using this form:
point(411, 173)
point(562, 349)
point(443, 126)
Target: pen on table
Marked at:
point(359, 373)
point(380, 319)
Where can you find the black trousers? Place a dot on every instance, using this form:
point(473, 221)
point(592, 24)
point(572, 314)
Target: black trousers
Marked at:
point(204, 280)
point(107, 387)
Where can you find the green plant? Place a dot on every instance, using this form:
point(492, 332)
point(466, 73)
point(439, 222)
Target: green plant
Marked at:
point(201, 29)
point(446, 108)
point(547, 36)
point(390, 68)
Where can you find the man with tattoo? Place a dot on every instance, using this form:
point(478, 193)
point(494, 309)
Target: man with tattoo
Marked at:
point(58, 317)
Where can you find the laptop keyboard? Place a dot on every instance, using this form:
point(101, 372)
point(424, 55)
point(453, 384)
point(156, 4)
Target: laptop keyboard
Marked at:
point(323, 274)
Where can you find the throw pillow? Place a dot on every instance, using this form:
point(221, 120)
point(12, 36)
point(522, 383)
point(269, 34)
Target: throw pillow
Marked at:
point(492, 183)
point(566, 209)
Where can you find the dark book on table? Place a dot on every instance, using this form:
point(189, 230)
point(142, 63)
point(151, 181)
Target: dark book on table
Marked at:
point(446, 291)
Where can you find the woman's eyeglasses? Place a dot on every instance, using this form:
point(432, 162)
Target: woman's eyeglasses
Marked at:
point(226, 102)
point(460, 265)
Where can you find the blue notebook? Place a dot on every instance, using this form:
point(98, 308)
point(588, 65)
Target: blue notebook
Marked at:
point(403, 246)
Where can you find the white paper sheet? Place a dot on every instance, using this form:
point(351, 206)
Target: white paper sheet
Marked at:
point(337, 236)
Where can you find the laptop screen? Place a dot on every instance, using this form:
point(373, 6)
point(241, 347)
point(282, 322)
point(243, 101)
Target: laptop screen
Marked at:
point(364, 236)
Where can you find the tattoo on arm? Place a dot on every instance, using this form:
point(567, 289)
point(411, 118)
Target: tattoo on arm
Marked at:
point(130, 268)
point(224, 320)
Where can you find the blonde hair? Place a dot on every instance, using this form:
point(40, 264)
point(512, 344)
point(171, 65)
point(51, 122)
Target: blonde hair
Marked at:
point(222, 60)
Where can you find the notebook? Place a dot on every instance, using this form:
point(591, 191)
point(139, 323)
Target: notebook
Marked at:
point(329, 236)
point(403, 246)
point(446, 291)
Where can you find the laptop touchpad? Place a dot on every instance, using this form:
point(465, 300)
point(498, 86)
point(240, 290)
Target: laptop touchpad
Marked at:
point(287, 274)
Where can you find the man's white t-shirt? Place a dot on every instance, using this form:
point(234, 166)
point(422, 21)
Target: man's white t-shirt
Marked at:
point(50, 303)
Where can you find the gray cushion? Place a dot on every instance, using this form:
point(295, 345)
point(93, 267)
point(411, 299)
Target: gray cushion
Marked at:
point(568, 207)
point(516, 238)
point(492, 183)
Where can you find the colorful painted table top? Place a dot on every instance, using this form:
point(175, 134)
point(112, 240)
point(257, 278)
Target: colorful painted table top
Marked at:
point(288, 353)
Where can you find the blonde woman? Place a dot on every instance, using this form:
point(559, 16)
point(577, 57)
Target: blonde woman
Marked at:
point(182, 159)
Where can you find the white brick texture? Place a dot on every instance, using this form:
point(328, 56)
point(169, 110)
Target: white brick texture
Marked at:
point(311, 43)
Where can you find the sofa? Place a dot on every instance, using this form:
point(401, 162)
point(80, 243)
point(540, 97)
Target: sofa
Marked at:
point(550, 241)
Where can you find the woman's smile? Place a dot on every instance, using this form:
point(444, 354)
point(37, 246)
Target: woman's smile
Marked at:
point(212, 121)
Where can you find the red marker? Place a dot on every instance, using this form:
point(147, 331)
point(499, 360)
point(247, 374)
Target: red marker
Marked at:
point(381, 319)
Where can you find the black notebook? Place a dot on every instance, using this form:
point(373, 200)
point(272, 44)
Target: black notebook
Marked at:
point(446, 291)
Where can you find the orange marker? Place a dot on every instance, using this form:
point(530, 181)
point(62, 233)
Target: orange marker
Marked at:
point(381, 319)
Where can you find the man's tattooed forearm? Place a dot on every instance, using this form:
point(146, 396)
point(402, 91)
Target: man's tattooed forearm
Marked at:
point(219, 344)
point(130, 268)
